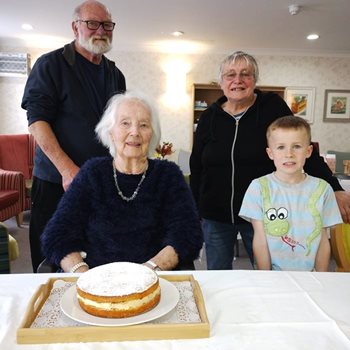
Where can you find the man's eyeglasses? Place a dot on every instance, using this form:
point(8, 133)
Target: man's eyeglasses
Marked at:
point(229, 76)
point(94, 25)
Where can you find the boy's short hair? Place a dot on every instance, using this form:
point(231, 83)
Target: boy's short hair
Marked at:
point(289, 122)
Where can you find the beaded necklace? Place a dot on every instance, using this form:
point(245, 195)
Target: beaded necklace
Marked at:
point(128, 199)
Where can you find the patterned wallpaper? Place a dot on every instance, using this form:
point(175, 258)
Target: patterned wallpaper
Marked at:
point(144, 72)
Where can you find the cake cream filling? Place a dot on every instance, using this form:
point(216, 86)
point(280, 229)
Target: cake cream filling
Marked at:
point(126, 305)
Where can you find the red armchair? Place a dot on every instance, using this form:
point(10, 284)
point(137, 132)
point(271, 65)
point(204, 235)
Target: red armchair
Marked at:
point(12, 195)
point(17, 154)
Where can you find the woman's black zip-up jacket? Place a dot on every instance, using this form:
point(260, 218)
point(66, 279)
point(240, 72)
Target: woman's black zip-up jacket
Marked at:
point(228, 154)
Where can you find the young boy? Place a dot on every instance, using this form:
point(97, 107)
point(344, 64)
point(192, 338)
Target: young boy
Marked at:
point(290, 210)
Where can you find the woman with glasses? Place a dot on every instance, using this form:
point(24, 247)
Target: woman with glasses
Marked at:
point(229, 152)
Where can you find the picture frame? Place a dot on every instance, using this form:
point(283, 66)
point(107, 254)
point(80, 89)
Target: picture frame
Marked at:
point(301, 101)
point(337, 106)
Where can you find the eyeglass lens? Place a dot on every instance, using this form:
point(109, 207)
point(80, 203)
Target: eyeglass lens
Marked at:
point(242, 76)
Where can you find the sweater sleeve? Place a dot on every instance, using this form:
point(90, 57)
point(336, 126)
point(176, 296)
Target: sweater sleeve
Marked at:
point(40, 93)
point(180, 218)
point(65, 232)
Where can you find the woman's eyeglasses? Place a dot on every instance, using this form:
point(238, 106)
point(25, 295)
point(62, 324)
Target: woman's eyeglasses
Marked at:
point(230, 76)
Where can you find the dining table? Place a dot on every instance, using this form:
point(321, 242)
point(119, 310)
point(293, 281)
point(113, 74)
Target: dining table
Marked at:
point(246, 309)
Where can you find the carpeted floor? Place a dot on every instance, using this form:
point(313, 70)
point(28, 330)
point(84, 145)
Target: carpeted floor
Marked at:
point(23, 263)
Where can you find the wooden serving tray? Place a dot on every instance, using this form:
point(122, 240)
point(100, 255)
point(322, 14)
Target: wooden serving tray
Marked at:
point(147, 331)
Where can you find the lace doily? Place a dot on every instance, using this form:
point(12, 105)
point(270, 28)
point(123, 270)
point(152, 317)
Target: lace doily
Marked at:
point(51, 315)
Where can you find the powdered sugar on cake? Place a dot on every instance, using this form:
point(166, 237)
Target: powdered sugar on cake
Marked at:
point(117, 279)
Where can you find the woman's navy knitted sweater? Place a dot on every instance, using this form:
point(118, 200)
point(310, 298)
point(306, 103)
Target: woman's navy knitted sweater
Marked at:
point(93, 218)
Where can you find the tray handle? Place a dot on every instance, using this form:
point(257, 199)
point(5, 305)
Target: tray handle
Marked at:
point(35, 304)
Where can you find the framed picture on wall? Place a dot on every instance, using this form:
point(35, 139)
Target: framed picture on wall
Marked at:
point(301, 101)
point(337, 106)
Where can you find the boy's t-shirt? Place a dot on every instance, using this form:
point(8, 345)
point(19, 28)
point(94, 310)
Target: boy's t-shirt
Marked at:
point(293, 215)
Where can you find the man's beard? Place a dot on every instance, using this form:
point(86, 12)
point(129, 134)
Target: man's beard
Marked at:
point(98, 47)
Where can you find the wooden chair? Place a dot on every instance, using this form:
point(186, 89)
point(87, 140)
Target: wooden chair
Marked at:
point(346, 164)
point(340, 243)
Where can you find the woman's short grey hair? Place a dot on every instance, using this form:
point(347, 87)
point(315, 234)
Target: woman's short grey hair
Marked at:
point(109, 118)
point(238, 56)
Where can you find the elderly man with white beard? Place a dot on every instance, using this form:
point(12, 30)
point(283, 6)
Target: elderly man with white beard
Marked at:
point(65, 96)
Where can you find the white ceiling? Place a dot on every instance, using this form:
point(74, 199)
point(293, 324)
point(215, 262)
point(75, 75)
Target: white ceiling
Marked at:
point(210, 25)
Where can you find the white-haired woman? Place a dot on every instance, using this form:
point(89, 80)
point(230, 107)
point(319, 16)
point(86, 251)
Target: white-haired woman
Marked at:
point(126, 207)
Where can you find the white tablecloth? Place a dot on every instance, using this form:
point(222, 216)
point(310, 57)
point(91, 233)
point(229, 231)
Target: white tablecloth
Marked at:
point(246, 309)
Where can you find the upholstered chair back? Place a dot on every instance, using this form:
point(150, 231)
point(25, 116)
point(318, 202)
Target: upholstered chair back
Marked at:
point(17, 154)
